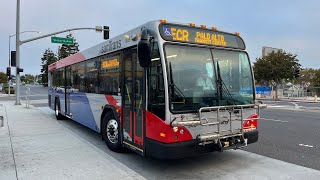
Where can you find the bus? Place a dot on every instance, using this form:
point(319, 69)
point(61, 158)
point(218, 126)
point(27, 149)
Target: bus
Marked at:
point(164, 90)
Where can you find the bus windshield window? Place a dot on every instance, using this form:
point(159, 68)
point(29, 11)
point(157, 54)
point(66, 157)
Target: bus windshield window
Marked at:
point(193, 77)
point(236, 75)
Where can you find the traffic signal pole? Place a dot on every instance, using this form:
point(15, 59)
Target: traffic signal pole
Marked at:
point(18, 54)
point(9, 78)
point(18, 43)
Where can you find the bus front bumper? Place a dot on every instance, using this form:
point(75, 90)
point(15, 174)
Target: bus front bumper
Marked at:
point(190, 148)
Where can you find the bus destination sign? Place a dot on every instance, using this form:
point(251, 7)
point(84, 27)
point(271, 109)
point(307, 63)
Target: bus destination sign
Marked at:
point(200, 36)
point(110, 63)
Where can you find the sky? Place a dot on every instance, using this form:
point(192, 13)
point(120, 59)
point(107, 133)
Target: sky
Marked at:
point(290, 25)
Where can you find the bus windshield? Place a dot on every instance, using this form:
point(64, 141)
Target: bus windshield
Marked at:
point(193, 77)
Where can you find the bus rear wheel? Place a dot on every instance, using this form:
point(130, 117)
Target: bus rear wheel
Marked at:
point(57, 110)
point(111, 133)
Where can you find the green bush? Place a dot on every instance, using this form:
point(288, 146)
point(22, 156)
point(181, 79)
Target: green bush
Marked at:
point(5, 88)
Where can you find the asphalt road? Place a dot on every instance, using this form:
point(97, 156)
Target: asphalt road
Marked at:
point(291, 136)
point(37, 92)
point(228, 163)
point(298, 105)
point(38, 95)
point(285, 133)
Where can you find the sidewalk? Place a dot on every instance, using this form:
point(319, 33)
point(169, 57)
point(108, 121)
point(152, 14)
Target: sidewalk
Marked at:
point(34, 146)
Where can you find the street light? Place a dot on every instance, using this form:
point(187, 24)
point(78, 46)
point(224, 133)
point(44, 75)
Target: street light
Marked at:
point(9, 80)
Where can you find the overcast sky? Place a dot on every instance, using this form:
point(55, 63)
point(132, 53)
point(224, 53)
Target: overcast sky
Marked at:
point(287, 24)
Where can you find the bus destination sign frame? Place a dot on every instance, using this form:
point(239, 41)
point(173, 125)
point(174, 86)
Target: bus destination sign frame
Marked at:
point(195, 35)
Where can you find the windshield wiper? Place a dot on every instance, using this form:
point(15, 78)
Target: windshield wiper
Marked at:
point(174, 89)
point(223, 86)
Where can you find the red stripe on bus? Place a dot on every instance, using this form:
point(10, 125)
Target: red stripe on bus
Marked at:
point(159, 130)
point(78, 57)
point(137, 139)
point(111, 100)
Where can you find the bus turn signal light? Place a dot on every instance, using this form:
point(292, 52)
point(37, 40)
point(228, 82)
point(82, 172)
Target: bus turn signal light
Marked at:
point(214, 28)
point(237, 33)
point(163, 20)
point(162, 134)
point(251, 122)
point(192, 25)
point(203, 26)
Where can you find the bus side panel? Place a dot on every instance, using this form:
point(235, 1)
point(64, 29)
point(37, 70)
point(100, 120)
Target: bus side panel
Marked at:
point(81, 110)
point(98, 101)
point(86, 107)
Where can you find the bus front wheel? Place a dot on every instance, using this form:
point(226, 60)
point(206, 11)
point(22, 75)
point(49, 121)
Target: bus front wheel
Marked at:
point(111, 132)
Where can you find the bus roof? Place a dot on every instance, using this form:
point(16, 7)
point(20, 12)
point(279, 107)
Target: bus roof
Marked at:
point(184, 33)
point(121, 41)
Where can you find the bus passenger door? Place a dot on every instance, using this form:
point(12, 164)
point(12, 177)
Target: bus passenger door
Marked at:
point(67, 90)
point(133, 102)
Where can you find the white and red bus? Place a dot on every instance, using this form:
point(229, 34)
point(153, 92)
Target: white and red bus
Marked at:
point(164, 90)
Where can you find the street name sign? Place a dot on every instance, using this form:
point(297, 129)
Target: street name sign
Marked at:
point(60, 40)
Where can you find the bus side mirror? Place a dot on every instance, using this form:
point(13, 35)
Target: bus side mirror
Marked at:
point(144, 52)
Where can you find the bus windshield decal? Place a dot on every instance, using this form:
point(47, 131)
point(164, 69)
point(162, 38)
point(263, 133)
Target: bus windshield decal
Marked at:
point(200, 36)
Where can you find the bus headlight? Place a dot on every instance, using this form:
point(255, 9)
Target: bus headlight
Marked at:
point(175, 129)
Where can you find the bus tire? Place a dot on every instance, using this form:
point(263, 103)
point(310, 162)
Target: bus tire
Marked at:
point(57, 110)
point(111, 133)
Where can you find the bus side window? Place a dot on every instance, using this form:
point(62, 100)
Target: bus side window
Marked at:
point(109, 76)
point(156, 96)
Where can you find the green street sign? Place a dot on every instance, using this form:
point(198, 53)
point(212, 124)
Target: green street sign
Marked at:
point(60, 40)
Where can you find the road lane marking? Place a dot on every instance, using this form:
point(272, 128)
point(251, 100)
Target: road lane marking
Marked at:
point(305, 145)
point(296, 106)
point(275, 120)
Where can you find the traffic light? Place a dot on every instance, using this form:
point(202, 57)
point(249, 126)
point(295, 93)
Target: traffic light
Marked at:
point(296, 72)
point(106, 32)
point(13, 58)
point(8, 72)
point(19, 70)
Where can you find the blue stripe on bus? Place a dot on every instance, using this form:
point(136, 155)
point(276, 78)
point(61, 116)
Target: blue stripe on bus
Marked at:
point(81, 110)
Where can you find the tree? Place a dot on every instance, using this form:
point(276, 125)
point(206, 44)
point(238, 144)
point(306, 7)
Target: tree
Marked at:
point(67, 50)
point(316, 78)
point(48, 58)
point(28, 78)
point(276, 67)
point(3, 77)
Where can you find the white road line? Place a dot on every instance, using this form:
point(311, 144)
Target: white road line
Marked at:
point(273, 120)
point(305, 145)
point(296, 106)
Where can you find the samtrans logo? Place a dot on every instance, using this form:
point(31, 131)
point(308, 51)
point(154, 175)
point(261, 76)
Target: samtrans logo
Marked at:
point(110, 46)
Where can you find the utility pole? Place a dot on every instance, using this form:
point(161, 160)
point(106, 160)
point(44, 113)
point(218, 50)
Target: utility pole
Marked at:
point(18, 55)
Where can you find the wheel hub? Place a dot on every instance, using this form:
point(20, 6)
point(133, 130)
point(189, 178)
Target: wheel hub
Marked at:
point(112, 131)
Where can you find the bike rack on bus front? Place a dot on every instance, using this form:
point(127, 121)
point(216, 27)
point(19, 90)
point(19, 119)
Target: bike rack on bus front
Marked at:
point(217, 135)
